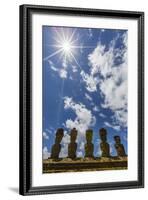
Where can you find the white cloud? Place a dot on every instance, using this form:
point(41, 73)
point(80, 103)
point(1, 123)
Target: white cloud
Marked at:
point(81, 147)
point(96, 109)
point(74, 68)
point(97, 141)
point(64, 64)
point(64, 145)
point(65, 139)
point(50, 130)
point(91, 82)
point(63, 73)
point(84, 118)
point(114, 89)
point(90, 32)
point(67, 102)
point(46, 153)
point(101, 60)
point(52, 66)
point(98, 152)
point(80, 154)
point(45, 136)
point(64, 151)
point(110, 77)
point(117, 128)
point(125, 137)
point(102, 115)
point(121, 117)
point(111, 145)
point(88, 97)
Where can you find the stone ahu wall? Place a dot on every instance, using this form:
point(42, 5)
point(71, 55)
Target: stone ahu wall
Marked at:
point(89, 162)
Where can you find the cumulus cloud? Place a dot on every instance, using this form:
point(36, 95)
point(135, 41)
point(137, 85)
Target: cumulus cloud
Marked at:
point(98, 152)
point(117, 128)
point(50, 130)
point(91, 82)
point(84, 118)
point(64, 143)
point(45, 136)
point(74, 68)
point(125, 137)
point(63, 73)
point(46, 153)
point(80, 154)
point(90, 34)
point(108, 71)
point(96, 109)
point(102, 115)
point(111, 145)
point(121, 117)
point(80, 149)
point(114, 88)
point(52, 66)
point(101, 60)
point(88, 97)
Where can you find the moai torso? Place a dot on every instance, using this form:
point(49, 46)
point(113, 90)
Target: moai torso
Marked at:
point(104, 146)
point(72, 147)
point(105, 149)
point(56, 148)
point(119, 147)
point(55, 151)
point(89, 147)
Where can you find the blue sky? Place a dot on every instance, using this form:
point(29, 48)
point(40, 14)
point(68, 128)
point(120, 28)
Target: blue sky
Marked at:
point(84, 85)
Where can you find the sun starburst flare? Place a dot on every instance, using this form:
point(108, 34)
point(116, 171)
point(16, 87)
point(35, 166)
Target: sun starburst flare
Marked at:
point(66, 45)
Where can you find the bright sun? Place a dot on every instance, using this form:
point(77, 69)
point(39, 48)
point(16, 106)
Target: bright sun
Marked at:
point(66, 46)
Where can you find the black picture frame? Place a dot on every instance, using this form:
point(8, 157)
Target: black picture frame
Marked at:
point(25, 182)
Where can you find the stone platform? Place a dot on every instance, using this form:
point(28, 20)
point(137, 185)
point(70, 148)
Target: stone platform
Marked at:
point(84, 164)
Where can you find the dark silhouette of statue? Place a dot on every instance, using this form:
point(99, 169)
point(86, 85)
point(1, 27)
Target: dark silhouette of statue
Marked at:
point(104, 145)
point(89, 147)
point(119, 147)
point(56, 148)
point(72, 146)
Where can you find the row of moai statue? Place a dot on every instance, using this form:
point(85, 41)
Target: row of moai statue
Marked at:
point(89, 146)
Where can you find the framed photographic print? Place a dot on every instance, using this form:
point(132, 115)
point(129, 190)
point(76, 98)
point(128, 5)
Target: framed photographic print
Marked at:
point(81, 99)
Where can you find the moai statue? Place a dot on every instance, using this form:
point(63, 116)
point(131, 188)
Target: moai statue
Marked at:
point(104, 145)
point(89, 147)
point(119, 147)
point(72, 146)
point(56, 148)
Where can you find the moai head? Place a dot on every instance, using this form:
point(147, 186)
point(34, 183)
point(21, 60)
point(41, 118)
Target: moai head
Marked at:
point(59, 135)
point(89, 134)
point(103, 134)
point(73, 135)
point(117, 139)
